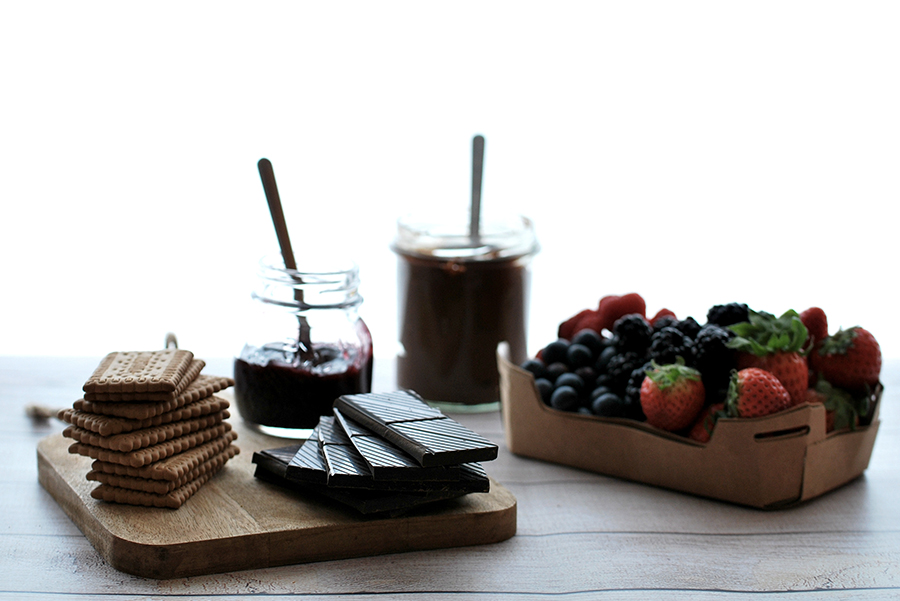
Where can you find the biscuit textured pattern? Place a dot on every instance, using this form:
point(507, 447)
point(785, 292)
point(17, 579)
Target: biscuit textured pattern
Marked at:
point(190, 374)
point(161, 487)
point(148, 455)
point(140, 371)
point(202, 387)
point(170, 468)
point(139, 439)
point(109, 425)
point(172, 500)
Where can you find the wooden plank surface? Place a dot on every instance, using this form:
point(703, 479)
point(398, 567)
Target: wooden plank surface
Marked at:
point(580, 535)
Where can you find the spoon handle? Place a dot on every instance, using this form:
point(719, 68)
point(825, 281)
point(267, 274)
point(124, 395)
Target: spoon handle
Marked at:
point(267, 174)
point(477, 170)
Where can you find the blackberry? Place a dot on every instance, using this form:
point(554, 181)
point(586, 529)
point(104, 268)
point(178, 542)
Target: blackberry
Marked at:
point(633, 388)
point(669, 343)
point(665, 321)
point(620, 368)
point(714, 360)
point(726, 315)
point(633, 333)
point(689, 327)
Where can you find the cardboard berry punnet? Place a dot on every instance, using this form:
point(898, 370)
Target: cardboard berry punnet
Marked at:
point(769, 462)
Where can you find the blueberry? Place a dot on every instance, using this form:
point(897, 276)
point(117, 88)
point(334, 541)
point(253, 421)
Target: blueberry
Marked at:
point(578, 355)
point(570, 380)
point(590, 339)
point(555, 370)
point(599, 391)
point(555, 352)
point(545, 389)
point(535, 366)
point(564, 398)
point(587, 374)
point(603, 360)
point(608, 405)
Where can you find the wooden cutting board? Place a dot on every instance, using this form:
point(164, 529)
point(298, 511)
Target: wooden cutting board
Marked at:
point(237, 522)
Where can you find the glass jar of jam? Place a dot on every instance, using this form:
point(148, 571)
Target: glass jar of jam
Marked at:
point(459, 296)
point(308, 347)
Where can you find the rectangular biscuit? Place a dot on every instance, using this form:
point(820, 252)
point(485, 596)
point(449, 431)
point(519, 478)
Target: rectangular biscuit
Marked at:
point(139, 439)
point(140, 371)
point(108, 425)
point(161, 487)
point(202, 387)
point(148, 455)
point(190, 374)
point(425, 433)
point(171, 500)
point(170, 468)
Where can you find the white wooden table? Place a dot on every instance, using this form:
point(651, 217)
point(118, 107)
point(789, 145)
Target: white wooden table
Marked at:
point(580, 535)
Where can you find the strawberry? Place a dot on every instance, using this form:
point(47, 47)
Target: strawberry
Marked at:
point(774, 344)
point(611, 308)
point(702, 429)
point(754, 392)
point(816, 324)
point(850, 359)
point(790, 369)
point(672, 396)
point(662, 313)
point(572, 326)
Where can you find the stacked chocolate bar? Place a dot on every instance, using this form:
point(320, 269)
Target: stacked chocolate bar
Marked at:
point(383, 452)
point(153, 425)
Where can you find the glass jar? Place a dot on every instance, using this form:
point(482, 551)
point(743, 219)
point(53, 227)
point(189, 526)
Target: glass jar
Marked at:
point(308, 346)
point(459, 296)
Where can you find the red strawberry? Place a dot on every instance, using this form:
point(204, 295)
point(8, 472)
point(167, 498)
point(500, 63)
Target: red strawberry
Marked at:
point(816, 324)
point(672, 396)
point(572, 326)
point(790, 369)
point(850, 359)
point(754, 392)
point(611, 308)
point(703, 427)
point(774, 344)
point(662, 313)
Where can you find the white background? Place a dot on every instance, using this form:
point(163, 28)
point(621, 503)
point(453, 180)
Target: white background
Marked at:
point(695, 152)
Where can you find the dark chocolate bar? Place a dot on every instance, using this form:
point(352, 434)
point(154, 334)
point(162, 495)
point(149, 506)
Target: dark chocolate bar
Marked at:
point(387, 461)
point(272, 465)
point(425, 433)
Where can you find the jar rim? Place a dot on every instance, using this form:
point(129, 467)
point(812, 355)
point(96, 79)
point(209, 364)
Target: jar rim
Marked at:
point(434, 237)
point(334, 285)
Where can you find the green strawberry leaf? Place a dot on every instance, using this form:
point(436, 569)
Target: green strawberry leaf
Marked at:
point(670, 374)
point(765, 334)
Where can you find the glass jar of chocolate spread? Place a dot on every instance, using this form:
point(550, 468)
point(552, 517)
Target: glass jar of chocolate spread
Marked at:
point(309, 346)
point(459, 296)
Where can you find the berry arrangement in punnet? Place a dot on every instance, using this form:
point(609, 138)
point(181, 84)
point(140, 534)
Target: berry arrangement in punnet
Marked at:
point(681, 376)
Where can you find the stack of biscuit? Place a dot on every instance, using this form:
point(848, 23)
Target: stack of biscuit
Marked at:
point(153, 425)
